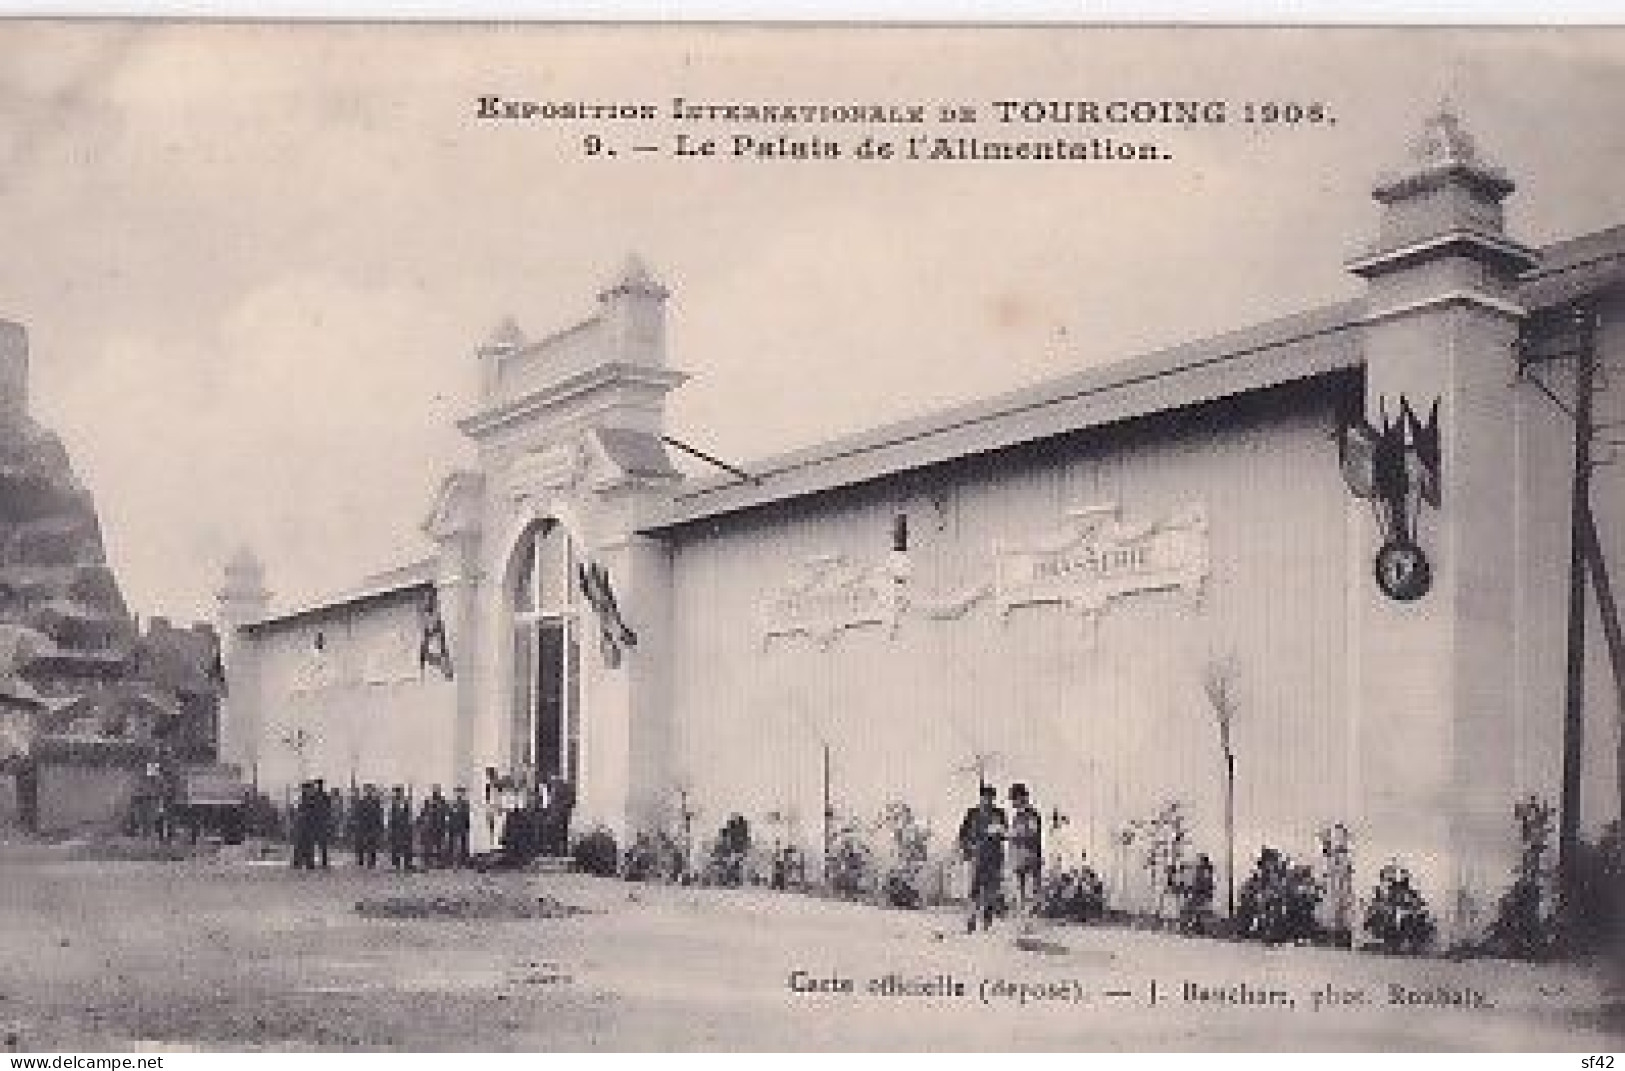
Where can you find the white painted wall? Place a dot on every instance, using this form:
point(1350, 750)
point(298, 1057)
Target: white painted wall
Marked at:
point(369, 712)
point(1107, 733)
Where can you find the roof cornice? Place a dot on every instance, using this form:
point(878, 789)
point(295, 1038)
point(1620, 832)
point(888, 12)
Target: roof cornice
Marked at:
point(551, 395)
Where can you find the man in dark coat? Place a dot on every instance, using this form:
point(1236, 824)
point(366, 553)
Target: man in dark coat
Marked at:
point(304, 840)
point(400, 829)
point(321, 820)
point(339, 814)
point(433, 821)
point(369, 826)
point(458, 822)
point(981, 842)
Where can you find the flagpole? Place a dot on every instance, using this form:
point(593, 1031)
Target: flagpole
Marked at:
point(829, 812)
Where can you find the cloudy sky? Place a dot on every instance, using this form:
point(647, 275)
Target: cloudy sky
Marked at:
point(255, 260)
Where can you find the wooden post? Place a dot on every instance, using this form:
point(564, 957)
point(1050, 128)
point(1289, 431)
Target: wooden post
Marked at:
point(1614, 633)
point(829, 815)
point(1230, 832)
point(1574, 700)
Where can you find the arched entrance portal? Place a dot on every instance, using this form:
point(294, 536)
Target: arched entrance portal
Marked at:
point(546, 712)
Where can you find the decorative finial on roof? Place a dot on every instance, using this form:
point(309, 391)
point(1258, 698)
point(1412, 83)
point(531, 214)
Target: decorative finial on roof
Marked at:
point(506, 336)
point(636, 278)
point(244, 560)
point(635, 272)
point(244, 576)
point(1444, 153)
point(1444, 140)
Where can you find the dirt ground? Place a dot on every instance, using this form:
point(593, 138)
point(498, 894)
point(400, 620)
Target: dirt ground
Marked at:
point(229, 953)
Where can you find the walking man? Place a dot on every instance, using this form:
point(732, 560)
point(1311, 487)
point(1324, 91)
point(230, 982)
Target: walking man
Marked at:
point(981, 842)
point(1026, 846)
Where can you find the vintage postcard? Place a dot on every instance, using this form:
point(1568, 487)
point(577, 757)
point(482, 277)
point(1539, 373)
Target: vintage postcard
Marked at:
point(743, 537)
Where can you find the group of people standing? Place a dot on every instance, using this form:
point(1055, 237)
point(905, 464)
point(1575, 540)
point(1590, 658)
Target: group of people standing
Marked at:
point(435, 833)
point(984, 834)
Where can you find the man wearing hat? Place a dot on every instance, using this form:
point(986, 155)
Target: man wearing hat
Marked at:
point(1026, 845)
point(981, 842)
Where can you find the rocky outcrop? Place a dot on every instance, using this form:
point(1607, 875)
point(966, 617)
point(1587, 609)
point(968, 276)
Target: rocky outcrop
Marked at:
point(86, 702)
point(55, 584)
point(65, 632)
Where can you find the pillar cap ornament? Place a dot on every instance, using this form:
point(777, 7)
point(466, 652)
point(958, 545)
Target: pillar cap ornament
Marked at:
point(635, 278)
point(244, 576)
point(1444, 152)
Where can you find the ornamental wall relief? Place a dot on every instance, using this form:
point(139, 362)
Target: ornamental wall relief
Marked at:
point(1094, 560)
point(828, 595)
point(1097, 559)
point(536, 473)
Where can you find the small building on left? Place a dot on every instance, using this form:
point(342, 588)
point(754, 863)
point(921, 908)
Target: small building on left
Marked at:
point(99, 717)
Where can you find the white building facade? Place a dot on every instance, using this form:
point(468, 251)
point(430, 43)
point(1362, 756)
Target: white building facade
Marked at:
point(1040, 587)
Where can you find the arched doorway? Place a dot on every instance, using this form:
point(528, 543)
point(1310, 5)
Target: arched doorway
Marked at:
point(546, 711)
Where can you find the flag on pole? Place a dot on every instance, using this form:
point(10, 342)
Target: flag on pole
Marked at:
point(1391, 476)
point(1425, 451)
point(217, 663)
point(433, 650)
point(614, 634)
point(1356, 453)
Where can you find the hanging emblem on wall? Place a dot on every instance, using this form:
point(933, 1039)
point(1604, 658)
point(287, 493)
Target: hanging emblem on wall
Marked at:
point(1396, 468)
point(614, 634)
point(433, 648)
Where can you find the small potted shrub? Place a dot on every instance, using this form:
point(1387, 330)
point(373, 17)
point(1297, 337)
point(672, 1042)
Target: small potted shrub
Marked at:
point(851, 864)
point(1191, 883)
point(1277, 902)
point(904, 883)
point(1525, 919)
point(595, 852)
point(726, 865)
point(1398, 916)
point(1073, 894)
point(653, 855)
point(1337, 869)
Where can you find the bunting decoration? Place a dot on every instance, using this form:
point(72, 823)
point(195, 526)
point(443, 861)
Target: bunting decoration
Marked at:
point(1356, 453)
point(1396, 466)
point(1425, 454)
point(433, 650)
point(614, 635)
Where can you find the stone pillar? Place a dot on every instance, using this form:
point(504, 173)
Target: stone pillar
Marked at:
point(1436, 683)
point(242, 600)
point(455, 527)
point(457, 586)
point(569, 432)
point(629, 742)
